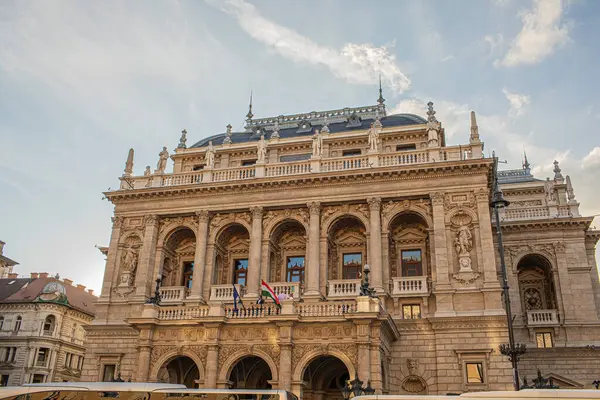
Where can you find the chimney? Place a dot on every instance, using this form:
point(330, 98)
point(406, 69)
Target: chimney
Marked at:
point(91, 291)
point(81, 287)
point(68, 282)
point(13, 275)
point(34, 275)
point(43, 274)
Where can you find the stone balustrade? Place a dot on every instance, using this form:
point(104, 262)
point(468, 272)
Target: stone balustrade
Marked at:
point(181, 313)
point(172, 294)
point(252, 311)
point(542, 317)
point(343, 288)
point(410, 286)
point(224, 292)
point(292, 289)
point(326, 309)
point(319, 165)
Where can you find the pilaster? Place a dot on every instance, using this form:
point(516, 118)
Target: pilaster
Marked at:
point(252, 287)
point(442, 289)
point(313, 273)
point(375, 244)
point(145, 267)
point(200, 257)
point(111, 259)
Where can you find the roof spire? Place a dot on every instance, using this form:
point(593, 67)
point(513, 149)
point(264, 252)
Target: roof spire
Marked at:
point(526, 164)
point(474, 128)
point(431, 113)
point(380, 100)
point(557, 175)
point(129, 164)
point(250, 115)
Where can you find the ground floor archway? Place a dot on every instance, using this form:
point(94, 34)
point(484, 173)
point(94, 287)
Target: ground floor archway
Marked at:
point(250, 372)
point(180, 370)
point(324, 378)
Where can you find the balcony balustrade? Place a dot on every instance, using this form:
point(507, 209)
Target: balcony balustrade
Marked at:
point(224, 292)
point(326, 309)
point(181, 313)
point(292, 289)
point(343, 288)
point(172, 294)
point(542, 318)
point(410, 286)
point(324, 165)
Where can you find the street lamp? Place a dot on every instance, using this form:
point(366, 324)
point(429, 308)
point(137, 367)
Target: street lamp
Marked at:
point(540, 382)
point(354, 388)
point(156, 298)
point(513, 351)
point(365, 290)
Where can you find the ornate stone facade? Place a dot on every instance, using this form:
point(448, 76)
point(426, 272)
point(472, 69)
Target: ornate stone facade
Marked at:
point(305, 213)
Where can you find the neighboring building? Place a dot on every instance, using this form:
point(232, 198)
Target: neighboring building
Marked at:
point(303, 202)
point(6, 264)
point(41, 329)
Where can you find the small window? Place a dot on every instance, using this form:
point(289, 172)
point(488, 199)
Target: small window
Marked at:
point(13, 354)
point(350, 153)
point(474, 372)
point(412, 264)
point(197, 167)
point(18, 323)
point(406, 147)
point(411, 311)
point(295, 269)
point(49, 325)
point(1, 323)
point(352, 265)
point(240, 269)
point(38, 378)
point(247, 163)
point(295, 157)
point(544, 340)
point(42, 357)
point(188, 274)
point(4, 380)
point(108, 375)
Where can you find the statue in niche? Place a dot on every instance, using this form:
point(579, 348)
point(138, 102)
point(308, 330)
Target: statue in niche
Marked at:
point(163, 156)
point(463, 243)
point(373, 139)
point(209, 157)
point(317, 144)
point(262, 149)
point(129, 261)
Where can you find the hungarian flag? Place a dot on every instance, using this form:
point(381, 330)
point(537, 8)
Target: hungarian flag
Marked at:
point(268, 291)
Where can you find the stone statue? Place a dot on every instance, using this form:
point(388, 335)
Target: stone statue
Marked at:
point(147, 171)
point(317, 144)
point(129, 262)
point(463, 241)
point(262, 149)
point(209, 157)
point(129, 164)
point(411, 363)
point(373, 139)
point(549, 189)
point(162, 160)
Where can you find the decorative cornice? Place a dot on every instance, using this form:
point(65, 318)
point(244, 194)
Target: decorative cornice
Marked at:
point(314, 208)
point(543, 224)
point(203, 215)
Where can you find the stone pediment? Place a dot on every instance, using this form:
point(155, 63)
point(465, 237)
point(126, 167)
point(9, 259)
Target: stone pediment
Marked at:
point(238, 244)
point(187, 248)
point(293, 241)
point(531, 275)
point(411, 235)
point(349, 238)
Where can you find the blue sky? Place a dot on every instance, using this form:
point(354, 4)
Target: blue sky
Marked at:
point(82, 81)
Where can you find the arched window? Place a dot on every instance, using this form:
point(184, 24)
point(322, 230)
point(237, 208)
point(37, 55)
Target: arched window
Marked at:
point(73, 330)
point(1, 323)
point(49, 323)
point(18, 323)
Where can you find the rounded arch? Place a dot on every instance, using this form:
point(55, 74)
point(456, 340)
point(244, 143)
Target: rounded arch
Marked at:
point(305, 361)
point(340, 215)
point(462, 210)
point(279, 220)
point(228, 365)
point(168, 230)
point(131, 237)
point(398, 210)
point(542, 256)
point(215, 232)
point(172, 355)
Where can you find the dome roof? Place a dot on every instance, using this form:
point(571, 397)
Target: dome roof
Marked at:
point(334, 127)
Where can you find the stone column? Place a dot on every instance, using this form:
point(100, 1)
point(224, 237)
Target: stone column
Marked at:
point(211, 367)
point(200, 257)
point(312, 272)
point(252, 287)
point(442, 288)
point(144, 349)
point(566, 293)
point(111, 259)
point(144, 280)
point(490, 277)
point(285, 356)
point(364, 362)
point(376, 280)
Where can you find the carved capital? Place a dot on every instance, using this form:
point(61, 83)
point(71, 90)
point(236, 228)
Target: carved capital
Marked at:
point(203, 215)
point(374, 203)
point(314, 208)
point(150, 219)
point(560, 247)
point(481, 195)
point(117, 221)
point(257, 212)
point(437, 198)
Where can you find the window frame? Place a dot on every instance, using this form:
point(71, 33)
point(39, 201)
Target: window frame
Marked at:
point(237, 273)
point(18, 324)
point(419, 270)
point(412, 307)
point(359, 266)
point(470, 356)
point(302, 270)
point(187, 276)
point(543, 334)
point(406, 147)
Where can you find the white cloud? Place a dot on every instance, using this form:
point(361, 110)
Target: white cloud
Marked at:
point(541, 35)
point(495, 43)
point(355, 63)
point(592, 159)
point(517, 101)
point(501, 3)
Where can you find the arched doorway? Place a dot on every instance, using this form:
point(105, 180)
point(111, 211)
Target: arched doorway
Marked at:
point(347, 249)
point(232, 249)
point(324, 378)
point(287, 251)
point(250, 373)
point(178, 259)
point(536, 284)
point(180, 370)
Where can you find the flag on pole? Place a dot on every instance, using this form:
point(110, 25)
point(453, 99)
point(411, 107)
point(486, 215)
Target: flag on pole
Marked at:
point(236, 298)
point(267, 291)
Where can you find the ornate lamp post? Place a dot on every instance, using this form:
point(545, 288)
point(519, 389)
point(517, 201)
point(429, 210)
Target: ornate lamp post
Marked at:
point(156, 298)
point(512, 350)
point(540, 382)
point(354, 388)
point(365, 290)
